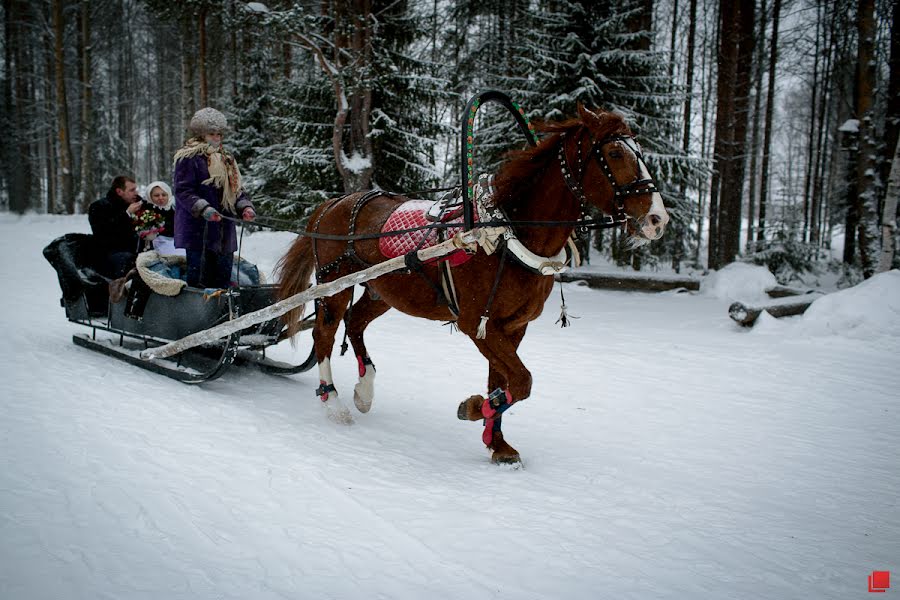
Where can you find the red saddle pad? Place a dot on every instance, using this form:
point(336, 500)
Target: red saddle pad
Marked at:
point(409, 215)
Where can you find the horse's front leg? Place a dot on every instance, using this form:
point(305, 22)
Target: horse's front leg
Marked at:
point(508, 382)
point(361, 314)
point(329, 312)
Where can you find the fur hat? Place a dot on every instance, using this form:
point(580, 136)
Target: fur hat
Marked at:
point(208, 120)
point(165, 187)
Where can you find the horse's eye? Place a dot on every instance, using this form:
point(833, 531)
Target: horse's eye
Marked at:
point(616, 154)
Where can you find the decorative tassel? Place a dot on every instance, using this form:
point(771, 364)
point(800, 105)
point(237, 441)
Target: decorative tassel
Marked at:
point(564, 318)
point(482, 328)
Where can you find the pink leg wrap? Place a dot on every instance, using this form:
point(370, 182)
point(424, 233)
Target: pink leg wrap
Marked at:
point(491, 417)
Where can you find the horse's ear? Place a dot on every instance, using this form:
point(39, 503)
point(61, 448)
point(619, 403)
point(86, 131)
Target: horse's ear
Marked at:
point(588, 117)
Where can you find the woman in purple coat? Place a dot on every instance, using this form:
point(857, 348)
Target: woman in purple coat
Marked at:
point(207, 186)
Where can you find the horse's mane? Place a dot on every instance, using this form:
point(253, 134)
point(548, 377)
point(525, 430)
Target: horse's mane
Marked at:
point(523, 168)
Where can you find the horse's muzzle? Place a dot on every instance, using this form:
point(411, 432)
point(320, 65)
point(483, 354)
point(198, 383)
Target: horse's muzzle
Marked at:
point(653, 224)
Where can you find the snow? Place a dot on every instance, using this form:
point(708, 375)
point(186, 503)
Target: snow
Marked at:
point(868, 310)
point(668, 453)
point(739, 281)
point(356, 162)
point(850, 126)
point(257, 7)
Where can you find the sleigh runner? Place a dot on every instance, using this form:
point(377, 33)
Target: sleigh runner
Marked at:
point(87, 302)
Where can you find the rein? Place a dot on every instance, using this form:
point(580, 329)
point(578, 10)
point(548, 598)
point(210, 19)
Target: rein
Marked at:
point(605, 222)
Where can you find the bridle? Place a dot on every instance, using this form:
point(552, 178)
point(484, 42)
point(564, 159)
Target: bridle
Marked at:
point(621, 192)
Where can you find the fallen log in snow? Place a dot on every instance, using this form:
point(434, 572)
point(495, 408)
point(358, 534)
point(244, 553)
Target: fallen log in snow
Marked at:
point(747, 315)
point(783, 291)
point(632, 282)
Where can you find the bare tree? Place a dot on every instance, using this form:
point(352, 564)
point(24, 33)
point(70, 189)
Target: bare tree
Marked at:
point(62, 109)
point(736, 44)
point(87, 101)
point(201, 57)
point(767, 133)
point(754, 127)
point(686, 132)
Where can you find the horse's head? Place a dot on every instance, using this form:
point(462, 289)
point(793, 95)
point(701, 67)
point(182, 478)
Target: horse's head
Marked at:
point(604, 166)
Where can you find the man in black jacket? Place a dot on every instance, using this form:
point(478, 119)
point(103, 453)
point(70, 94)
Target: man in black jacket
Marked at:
point(113, 226)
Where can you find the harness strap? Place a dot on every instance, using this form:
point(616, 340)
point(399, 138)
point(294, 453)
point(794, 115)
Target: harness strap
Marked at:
point(482, 326)
point(347, 316)
point(415, 265)
point(350, 250)
point(324, 389)
point(449, 288)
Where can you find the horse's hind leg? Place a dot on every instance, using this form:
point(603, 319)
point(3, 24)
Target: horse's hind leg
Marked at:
point(329, 312)
point(366, 310)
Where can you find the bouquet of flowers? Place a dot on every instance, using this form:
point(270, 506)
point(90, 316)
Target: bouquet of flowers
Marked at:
point(148, 222)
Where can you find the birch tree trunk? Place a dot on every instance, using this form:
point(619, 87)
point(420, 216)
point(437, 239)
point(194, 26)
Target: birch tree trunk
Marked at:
point(889, 216)
point(865, 166)
point(892, 120)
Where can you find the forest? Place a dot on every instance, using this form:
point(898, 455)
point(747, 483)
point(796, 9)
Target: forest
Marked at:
point(770, 126)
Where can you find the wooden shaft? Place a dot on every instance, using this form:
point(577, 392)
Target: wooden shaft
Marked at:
point(463, 240)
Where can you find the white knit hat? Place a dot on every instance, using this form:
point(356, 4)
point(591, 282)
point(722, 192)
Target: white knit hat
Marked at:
point(208, 120)
point(165, 187)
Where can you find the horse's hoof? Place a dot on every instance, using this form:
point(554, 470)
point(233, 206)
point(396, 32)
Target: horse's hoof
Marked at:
point(513, 460)
point(470, 409)
point(337, 412)
point(502, 453)
point(363, 404)
point(364, 392)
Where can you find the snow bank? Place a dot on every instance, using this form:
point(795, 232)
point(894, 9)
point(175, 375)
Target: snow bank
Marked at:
point(869, 309)
point(265, 248)
point(739, 281)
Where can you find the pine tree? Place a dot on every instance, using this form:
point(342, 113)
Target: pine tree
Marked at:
point(606, 60)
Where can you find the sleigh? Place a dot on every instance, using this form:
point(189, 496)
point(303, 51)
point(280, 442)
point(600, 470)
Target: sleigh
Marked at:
point(115, 331)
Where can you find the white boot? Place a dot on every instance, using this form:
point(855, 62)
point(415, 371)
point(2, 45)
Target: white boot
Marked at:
point(364, 392)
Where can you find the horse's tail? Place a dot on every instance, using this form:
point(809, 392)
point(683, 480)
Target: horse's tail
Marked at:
point(295, 269)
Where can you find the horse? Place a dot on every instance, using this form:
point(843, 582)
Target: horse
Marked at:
point(591, 159)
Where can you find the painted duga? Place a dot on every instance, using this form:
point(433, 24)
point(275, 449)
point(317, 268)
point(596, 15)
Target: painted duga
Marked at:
point(592, 159)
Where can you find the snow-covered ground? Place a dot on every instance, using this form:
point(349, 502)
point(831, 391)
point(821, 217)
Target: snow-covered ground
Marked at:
point(668, 454)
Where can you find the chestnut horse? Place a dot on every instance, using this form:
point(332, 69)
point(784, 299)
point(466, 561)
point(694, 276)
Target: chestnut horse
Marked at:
point(590, 159)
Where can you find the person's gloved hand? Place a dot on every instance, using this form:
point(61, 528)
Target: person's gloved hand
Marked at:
point(211, 214)
point(248, 214)
point(134, 207)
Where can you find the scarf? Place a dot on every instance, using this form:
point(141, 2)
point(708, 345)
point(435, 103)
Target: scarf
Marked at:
point(223, 169)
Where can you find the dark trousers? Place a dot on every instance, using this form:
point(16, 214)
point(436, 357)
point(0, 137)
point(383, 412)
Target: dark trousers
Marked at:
point(117, 264)
point(209, 269)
